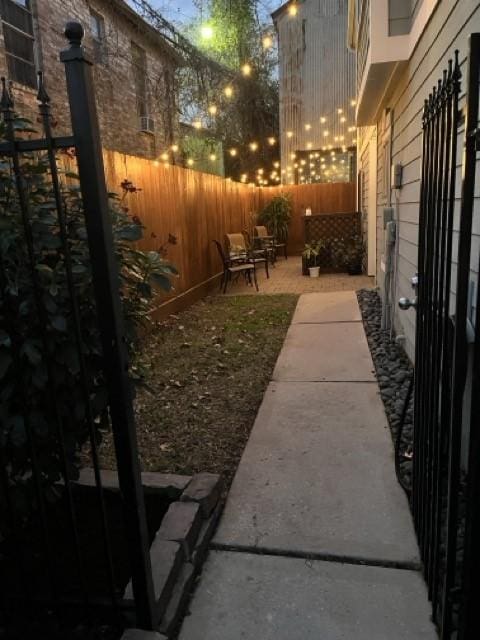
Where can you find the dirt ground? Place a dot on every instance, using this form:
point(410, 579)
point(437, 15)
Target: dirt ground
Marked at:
point(206, 370)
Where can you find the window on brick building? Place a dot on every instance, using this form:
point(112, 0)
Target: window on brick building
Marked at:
point(97, 26)
point(139, 63)
point(17, 27)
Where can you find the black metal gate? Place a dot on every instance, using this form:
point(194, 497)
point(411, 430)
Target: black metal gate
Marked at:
point(26, 441)
point(446, 467)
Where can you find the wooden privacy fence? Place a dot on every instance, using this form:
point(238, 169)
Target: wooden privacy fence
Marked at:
point(197, 208)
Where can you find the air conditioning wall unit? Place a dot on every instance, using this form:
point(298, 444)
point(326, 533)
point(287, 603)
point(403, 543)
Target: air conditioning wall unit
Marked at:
point(147, 124)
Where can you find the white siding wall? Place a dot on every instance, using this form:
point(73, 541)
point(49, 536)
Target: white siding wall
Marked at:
point(449, 28)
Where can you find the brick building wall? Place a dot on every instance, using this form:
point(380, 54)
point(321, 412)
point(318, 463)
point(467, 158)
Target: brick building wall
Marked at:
point(134, 70)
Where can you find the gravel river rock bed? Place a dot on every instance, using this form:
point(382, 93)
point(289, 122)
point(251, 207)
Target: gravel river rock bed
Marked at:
point(394, 371)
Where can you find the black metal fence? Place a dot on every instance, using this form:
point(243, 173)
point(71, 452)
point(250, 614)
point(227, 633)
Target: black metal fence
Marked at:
point(446, 469)
point(63, 367)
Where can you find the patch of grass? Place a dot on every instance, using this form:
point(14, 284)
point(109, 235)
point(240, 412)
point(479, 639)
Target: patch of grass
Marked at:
point(206, 370)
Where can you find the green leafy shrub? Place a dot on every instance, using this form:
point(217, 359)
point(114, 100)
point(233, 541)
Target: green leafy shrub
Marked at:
point(276, 216)
point(41, 393)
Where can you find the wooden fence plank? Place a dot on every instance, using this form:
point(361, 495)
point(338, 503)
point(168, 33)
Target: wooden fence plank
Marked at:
point(197, 208)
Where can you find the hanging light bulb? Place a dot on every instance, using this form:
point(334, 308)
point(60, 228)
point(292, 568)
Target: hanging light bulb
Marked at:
point(207, 32)
point(308, 127)
point(233, 152)
point(197, 124)
point(325, 134)
point(246, 69)
point(309, 145)
point(339, 111)
point(353, 103)
point(276, 165)
point(267, 42)
point(260, 172)
point(228, 91)
point(164, 157)
point(213, 157)
point(293, 10)
point(212, 109)
point(323, 119)
point(289, 134)
point(343, 119)
point(272, 141)
point(174, 148)
point(253, 146)
point(190, 162)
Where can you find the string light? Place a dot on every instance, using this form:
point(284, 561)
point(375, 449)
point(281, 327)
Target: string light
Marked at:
point(267, 42)
point(325, 134)
point(309, 145)
point(276, 165)
point(207, 32)
point(323, 119)
point(272, 141)
point(246, 69)
point(228, 91)
point(308, 127)
point(253, 146)
point(164, 157)
point(339, 111)
point(190, 162)
point(233, 152)
point(156, 163)
point(213, 157)
point(343, 119)
point(353, 103)
point(289, 134)
point(197, 124)
point(174, 148)
point(293, 10)
point(212, 109)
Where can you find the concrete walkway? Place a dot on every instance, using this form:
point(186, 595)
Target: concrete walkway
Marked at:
point(316, 541)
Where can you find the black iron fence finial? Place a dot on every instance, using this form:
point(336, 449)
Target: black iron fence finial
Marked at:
point(42, 95)
point(74, 33)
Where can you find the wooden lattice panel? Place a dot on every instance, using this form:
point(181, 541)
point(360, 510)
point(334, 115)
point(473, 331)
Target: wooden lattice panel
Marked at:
point(330, 226)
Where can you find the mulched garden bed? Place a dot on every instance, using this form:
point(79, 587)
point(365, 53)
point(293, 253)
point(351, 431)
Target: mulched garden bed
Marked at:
point(394, 370)
point(206, 370)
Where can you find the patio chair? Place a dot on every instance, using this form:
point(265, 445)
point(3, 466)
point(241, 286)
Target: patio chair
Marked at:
point(262, 233)
point(239, 250)
point(264, 253)
point(233, 268)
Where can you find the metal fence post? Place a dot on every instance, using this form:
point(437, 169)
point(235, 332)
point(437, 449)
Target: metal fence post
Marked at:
point(78, 69)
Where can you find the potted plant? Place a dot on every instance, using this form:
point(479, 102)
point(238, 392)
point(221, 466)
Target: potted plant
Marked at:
point(276, 216)
point(311, 253)
point(354, 255)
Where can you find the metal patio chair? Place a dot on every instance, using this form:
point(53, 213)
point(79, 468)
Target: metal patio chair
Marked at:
point(261, 232)
point(232, 268)
point(239, 250)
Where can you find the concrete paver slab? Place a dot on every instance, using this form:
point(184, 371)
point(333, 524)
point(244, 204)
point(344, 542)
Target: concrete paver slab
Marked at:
point(252, 597)
point(317, 476)
point(341, 306)
point(325, 352)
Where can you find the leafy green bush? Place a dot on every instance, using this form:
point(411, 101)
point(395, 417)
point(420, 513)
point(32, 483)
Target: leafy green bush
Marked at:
point(40, 366)
point(276, 216)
